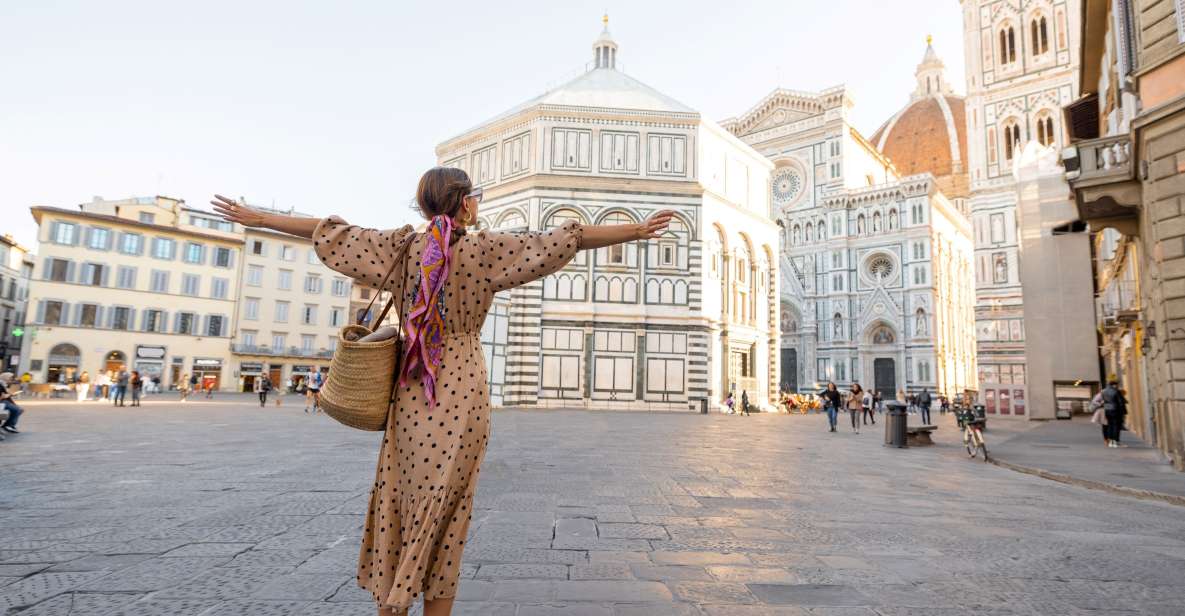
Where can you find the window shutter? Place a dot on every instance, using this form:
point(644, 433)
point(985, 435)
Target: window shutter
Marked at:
point(47, 267)
point(53, 231)
point(40, 318)
point(230, 259)
point(109, 318)
point(225, 325)
point(131, 319)
point(177, 323)
point(70, 272)
point(106, 277)
point(110, 240)
point(77, 320)
point(99, 312)
point(65, 320)
point(87, 232)
point(77, 239)
point(162, 324)
point(205, 325)
point(144, 319)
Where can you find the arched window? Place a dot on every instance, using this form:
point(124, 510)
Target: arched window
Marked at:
point(511, 219)
point(619, 254)
point(1007, 45)
point(1011, 138)
point(1045, 130)
point(1039, 31)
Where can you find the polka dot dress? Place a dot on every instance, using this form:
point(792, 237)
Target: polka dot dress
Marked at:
point(422, 499)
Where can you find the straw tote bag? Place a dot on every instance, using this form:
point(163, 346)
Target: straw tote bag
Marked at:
point(361, 383)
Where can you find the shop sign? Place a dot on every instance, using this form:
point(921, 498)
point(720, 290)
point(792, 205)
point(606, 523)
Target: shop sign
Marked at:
point(150, 352)
point(207, 363)
point(251, 367)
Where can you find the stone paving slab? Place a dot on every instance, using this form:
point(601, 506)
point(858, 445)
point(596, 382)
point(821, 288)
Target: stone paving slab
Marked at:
point(220, 508)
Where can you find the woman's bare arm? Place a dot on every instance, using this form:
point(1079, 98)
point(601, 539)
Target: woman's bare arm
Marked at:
point(234, 211)
point(600, 236)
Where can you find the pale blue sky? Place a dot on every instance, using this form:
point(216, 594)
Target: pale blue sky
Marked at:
point(336, 107)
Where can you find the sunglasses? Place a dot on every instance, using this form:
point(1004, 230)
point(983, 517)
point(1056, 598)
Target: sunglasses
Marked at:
point(476, 193)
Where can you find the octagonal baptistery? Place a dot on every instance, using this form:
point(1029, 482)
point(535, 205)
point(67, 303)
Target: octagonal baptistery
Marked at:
point(674, 323)
point(929, 134)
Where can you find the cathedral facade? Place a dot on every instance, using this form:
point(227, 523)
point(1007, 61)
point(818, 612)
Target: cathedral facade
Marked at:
point(876, 265)
point(670, 324)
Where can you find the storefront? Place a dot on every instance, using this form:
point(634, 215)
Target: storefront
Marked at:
point(300, 373)
point(150, 362)
point(115, 361)
point(63, 363)
point(276, 373)
point(208, 372)
point(249, 372)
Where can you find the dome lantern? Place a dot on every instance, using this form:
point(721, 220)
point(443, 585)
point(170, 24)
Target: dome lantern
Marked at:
point(931, 74)
point(605, 48)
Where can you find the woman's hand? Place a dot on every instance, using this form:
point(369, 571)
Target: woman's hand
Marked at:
point(234, 211)
point(655, 225)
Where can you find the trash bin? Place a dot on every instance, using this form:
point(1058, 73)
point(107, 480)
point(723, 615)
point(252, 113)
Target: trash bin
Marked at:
point(703, 406)
point(895, 422)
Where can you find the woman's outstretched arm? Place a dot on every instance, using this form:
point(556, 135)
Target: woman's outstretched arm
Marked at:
point(600, 236)
point(234, 211)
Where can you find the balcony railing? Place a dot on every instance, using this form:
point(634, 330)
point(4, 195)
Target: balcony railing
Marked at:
point(1102, 161)
point(286, 351)
point(1119, 301)
point(1103, 178)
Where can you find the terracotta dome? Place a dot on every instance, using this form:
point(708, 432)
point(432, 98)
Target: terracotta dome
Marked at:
point(930, 133)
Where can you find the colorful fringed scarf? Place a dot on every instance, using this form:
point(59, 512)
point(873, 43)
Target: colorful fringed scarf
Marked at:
point(424, 326)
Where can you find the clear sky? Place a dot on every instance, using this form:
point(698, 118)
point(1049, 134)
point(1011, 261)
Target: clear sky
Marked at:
point(336, 107)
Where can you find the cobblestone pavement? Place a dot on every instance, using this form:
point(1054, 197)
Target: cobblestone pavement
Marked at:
point(221, 508)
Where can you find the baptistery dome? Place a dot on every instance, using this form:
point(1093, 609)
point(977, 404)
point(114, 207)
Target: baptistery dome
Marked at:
point(929, 134)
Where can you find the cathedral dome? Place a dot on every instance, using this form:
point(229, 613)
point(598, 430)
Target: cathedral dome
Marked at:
point(930, 133)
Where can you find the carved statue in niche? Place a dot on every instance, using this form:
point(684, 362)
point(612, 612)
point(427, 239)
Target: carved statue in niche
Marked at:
point(876, 222)
point(920, 322)
point(788, 323)
point(1000, 267)
point(860, 224)
point(838, 327)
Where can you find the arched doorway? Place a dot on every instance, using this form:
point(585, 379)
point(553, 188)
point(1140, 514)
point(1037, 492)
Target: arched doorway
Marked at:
point(63, 363)
point(114, 360)
point(882, 340)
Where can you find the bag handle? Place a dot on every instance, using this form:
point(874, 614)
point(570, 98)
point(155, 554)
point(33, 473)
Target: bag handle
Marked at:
point(400, 260)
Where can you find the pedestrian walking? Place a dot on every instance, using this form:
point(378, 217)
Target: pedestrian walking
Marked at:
point(183, 387)
point(263, 385)
point(137, 384)
point(208, 385)
point(878, 402)
point(83, 387)
point(745, 401)
point(122, 379)
point(14, 410)
point(923, 402)
point(854, 404)
point(730, 403)
point(831, 402)
point(944, 405)
point(313, 391)
point(1115, 410)
point(103, 386)
point(867, 406)
point(416, 526)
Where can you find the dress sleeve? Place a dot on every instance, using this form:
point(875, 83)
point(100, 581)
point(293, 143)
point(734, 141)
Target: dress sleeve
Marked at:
point(366, 255)
point(514, 259)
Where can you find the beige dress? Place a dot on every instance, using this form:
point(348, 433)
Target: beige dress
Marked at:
point(422, 497)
